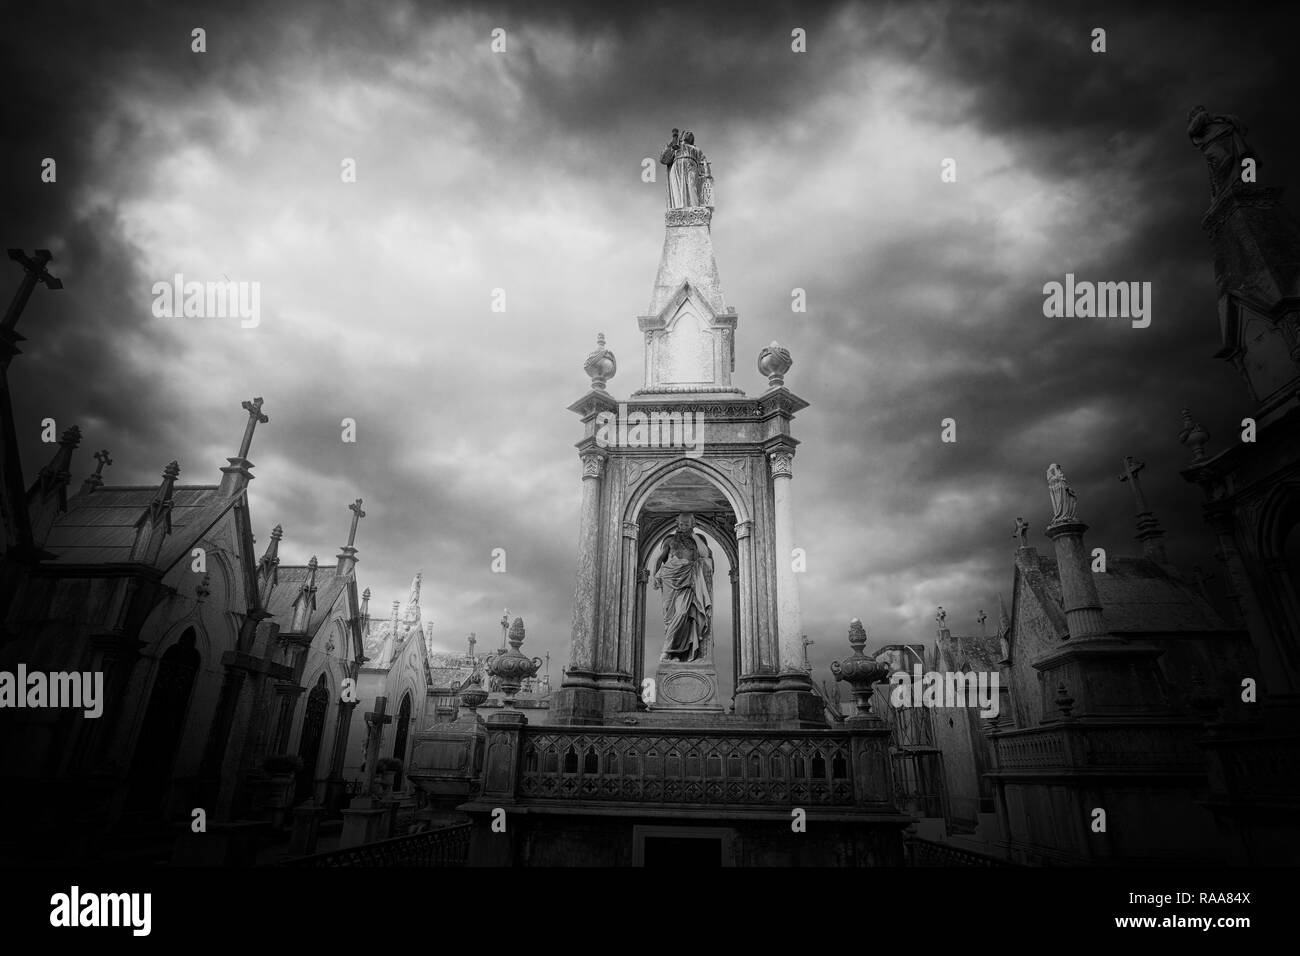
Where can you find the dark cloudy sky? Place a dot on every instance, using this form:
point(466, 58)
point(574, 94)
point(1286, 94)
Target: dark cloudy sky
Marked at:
point(521, 170)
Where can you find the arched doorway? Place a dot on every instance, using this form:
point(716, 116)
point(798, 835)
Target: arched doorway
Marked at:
point(313, 729)
point(691, 491)
point(399, 738)
point(164, 722)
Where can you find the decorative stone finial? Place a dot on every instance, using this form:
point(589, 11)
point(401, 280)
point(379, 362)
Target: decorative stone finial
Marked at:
point(510, 668)
point(860, 672)
point(1021, 533)
point(774, 361)
point(472, 694)
point(1194, 436)
point(601, 364)
point(1064, 501)
point(941, 618)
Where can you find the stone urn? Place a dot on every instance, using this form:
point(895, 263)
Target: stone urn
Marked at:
point(860, 672)
point(600, 364)
point(774, 361)
point(511, 667)
point(472, 694)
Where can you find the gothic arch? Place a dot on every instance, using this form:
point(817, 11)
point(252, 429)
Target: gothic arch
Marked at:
point(707, 470)
point(165, 719)
point(1279, 514)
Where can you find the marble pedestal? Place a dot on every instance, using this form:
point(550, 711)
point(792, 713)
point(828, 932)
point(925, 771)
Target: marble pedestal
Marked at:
point(687, 686)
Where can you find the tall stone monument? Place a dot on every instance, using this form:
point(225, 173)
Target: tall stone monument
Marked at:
point(686, 460)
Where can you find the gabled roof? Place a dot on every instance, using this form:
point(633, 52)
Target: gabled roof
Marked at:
point(100, 528)
point(974, 652)
point(1139, 596)
point(290, 578)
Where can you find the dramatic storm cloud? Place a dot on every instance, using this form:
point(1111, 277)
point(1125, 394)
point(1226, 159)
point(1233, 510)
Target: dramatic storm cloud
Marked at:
point(521, 171)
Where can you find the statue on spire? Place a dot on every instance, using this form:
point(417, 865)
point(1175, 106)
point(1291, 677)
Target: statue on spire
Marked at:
point(1064, 500)
point(690, 177)
point(1222, 140)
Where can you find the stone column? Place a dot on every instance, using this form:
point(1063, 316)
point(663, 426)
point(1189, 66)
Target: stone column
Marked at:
point(336, 784)
point(794, 704)
point(734, 577)
point(214, 754)
point(628, 584)
point(582, 659)
point(748, 649)
point(578, 701)
point(788, 618)
point(287, 699)
point(1078, 590)
point(638, 639)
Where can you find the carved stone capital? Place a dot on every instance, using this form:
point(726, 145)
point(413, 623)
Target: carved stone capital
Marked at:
point(631, 530)
point(782, 463)
point(688, 216)
point(593, 466)
point(744, 529)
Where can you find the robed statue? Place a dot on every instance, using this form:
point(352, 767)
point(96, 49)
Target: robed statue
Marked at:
point(1064, 500)
point(1223, 141)
point(690, 182)
point(684, 572)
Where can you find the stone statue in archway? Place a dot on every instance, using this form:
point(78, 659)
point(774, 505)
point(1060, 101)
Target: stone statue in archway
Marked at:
point(684, 572)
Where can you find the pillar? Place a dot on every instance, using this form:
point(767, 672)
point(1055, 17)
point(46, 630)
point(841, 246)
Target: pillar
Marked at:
point(794, 703)
point(578, 701)
point(1078, 590)
point(788, 619)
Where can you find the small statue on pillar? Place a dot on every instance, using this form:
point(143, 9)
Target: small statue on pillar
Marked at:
point(1064, 500)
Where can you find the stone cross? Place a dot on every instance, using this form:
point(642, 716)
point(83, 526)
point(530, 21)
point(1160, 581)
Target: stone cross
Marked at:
point(375, 721)
point(34, 266)
point(101, 456)
point(255, 418)
point(357, 515)
point(1022, 532)
point(806, 643)
point(1131, 468)
point(981, 619)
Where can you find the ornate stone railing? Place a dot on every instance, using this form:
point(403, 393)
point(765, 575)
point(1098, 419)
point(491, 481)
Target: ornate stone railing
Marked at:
point(755, 768)
point(934, 853)
point(1031, 750)
point(446, 846)
point(1071, 746)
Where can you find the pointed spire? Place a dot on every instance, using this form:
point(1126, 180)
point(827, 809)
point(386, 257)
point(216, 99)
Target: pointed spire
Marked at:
point(269, 563)
point(96, 481)
point(48, 497)
point(255, 418)
point(305, 602)
point(1149, 531)
point(348, 555)
point(365, 610)
point(413, 602)
point(155, 522)
point(57, 473)
point(236, 476)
